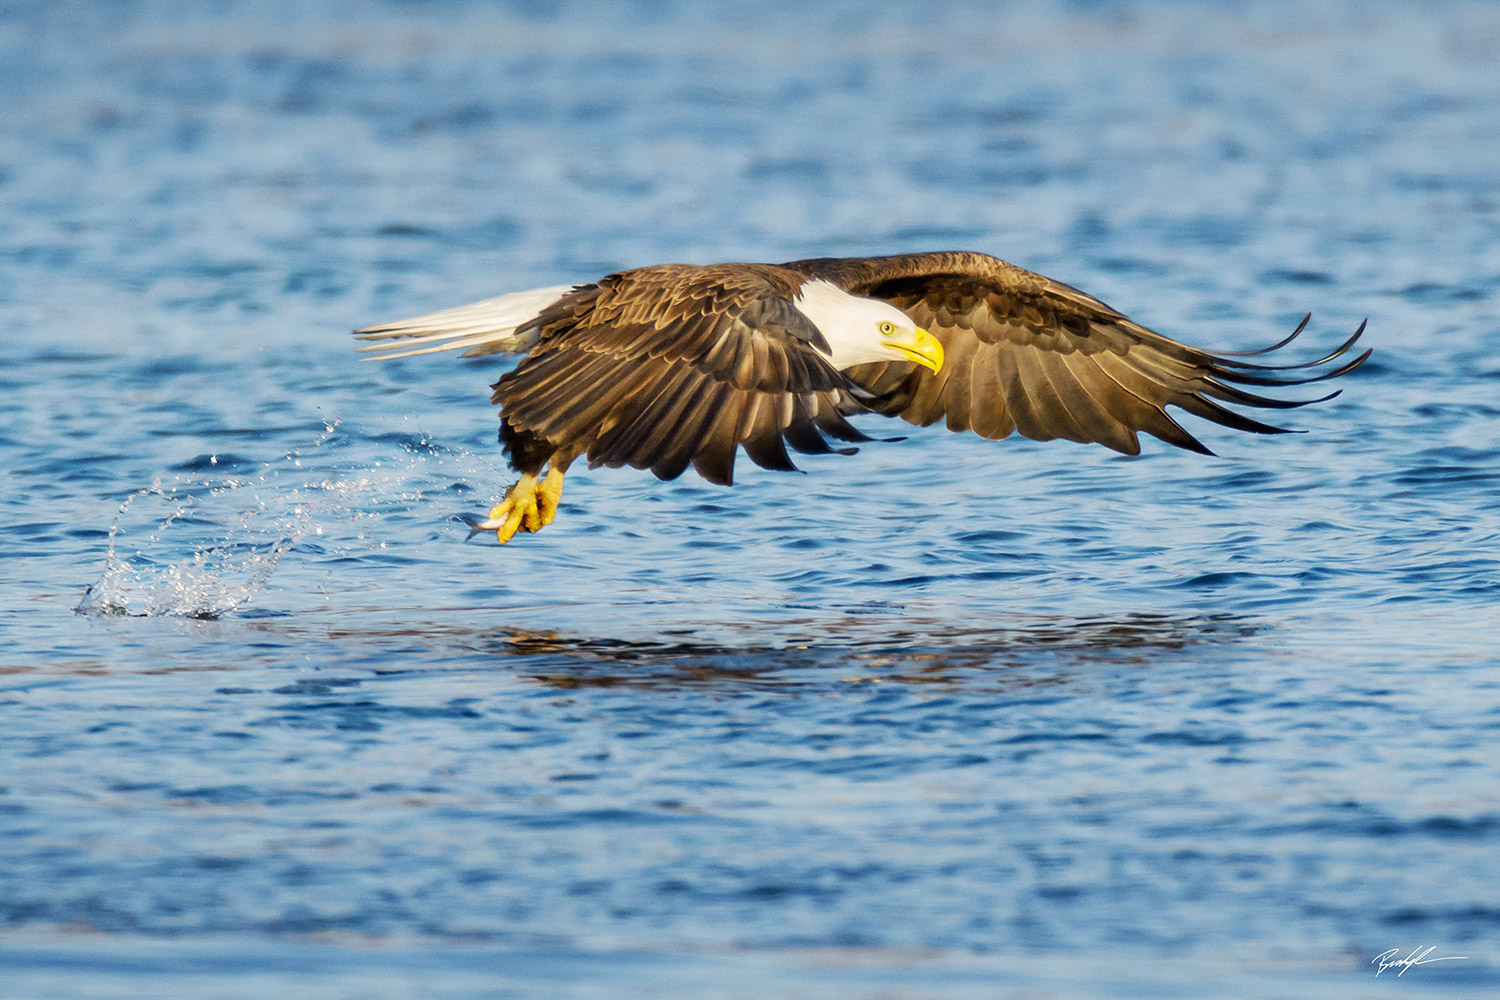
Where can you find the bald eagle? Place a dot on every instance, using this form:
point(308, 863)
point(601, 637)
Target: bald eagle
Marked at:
point(674, 365)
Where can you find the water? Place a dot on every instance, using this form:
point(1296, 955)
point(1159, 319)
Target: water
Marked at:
point(947, 718)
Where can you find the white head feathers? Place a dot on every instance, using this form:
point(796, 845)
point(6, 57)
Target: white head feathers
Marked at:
point(851, 324)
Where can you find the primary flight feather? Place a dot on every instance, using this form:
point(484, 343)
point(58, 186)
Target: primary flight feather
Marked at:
point(675, 365)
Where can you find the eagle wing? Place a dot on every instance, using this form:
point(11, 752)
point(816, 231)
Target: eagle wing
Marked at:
point(674, 365)
point(1031, 355)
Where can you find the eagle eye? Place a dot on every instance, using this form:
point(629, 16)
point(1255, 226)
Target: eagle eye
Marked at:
point(887, 328)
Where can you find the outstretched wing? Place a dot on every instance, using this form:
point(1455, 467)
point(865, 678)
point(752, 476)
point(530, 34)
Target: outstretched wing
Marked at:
point(670, 366)
point(1031, 355)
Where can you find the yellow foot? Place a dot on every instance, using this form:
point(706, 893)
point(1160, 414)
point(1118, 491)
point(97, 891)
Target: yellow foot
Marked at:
point(549, 496)
point(527, 506)
point(518, 510)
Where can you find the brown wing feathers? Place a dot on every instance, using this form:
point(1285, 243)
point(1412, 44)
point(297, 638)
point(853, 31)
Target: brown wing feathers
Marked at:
point(666, 367)
point(1032, 355)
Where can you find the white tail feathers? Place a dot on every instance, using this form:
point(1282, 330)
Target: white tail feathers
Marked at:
point(487, 327)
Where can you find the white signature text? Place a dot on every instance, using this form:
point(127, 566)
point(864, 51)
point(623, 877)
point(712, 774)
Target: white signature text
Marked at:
point(1392, 959)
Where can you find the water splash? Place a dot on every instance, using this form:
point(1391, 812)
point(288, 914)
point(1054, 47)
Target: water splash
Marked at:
point(213, 579)
point(200, 546)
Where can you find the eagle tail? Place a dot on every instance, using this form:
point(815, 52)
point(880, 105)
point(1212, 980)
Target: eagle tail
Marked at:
point(488, 327)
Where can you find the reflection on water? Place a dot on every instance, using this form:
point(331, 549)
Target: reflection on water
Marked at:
point(905, 651)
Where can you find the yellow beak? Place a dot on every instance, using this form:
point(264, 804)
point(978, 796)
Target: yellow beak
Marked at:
point(923, 348)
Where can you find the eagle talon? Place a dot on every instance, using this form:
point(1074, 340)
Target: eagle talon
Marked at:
point(526, 506)
point(516, 511)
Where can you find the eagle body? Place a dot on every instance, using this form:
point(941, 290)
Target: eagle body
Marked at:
point(680, 365)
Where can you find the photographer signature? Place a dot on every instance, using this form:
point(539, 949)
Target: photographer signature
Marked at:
point(1392, 959)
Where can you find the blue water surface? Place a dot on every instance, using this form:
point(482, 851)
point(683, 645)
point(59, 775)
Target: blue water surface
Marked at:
point(947, 718)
